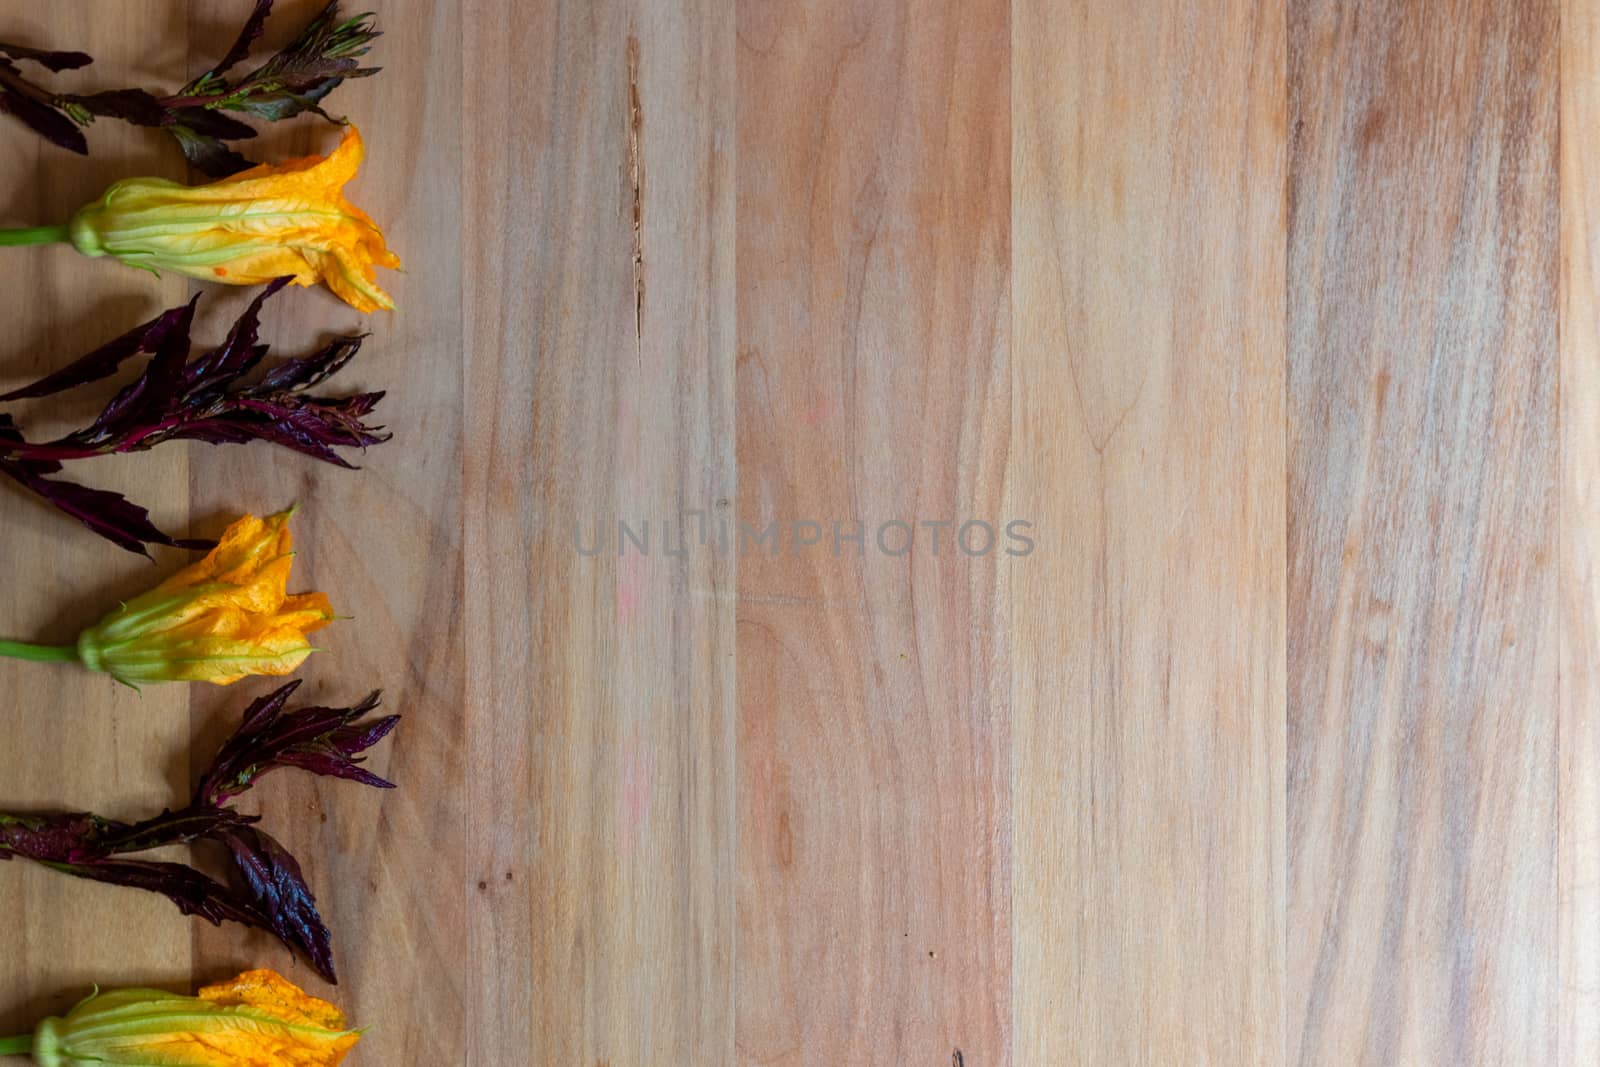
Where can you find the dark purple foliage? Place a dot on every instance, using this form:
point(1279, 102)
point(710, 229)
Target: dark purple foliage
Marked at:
point(279, 891)
point(270, 891)
point(37, 109)
point(104, 361)
point(254, 26)
point(108, 514)
point(204, 398)
point(325, 741)
point(56, 61)
point(46, 838)
point(294, 81)
point(111, 515)
point(194, 893)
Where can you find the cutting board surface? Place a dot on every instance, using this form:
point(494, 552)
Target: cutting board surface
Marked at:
point(1000, 532)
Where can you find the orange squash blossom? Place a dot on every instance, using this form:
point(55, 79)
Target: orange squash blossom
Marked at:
point(284, 220)
point(224, 618)
point(259, 1019)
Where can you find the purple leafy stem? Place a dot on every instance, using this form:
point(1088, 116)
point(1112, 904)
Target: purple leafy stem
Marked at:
point(269, 890)
point(176, 397)
point(291, 82)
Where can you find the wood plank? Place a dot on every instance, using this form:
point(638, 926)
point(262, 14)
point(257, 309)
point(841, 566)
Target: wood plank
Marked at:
point(874, 385)
point(1148, 269)
point(1422, 533)
point(600, 377)
point(389, 868)
point(77, 740)
point(1579, 798)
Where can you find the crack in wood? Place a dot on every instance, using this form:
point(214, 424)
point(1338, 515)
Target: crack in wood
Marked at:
point(636, 175)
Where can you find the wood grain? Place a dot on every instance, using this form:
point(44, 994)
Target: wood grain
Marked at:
point(874, 386)
point(600, 377)
point(1148, 632)
point(1579, 797)
point(78, 741)
point(1279, 747)
point(1422, 534)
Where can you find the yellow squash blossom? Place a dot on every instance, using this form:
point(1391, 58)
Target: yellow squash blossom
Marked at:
point(291, 219)
point(219, 620)
point(259, 1019)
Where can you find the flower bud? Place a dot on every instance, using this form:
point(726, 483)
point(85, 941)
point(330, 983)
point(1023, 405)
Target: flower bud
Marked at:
point(290, 219)
point(219, 620)
point(258, 1018)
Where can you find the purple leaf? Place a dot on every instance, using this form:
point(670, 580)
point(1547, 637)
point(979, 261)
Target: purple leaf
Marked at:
point(279, 892)
point(239, 353)
point(325, 741)
point(207, 154)
point(52, 61)
point(248, 36)
point(46, 838)
point(194, 893)
point(297, 425)
point(271, 893)
point(36, 110)
point(213, 124)
point(177, 397)
point(332, 767)
point(293, 375)
point(131, 105)
point(10, 436)
point(105, 360)
point(194, 823)
point(164, 378)
point(111, 515)
point(262, 713)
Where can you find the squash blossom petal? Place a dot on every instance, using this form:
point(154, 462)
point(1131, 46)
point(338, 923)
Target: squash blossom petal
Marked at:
point(219, 620)
point(273, 221)
point(258, 1019)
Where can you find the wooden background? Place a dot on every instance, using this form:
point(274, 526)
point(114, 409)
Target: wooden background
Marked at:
point(1279, 322)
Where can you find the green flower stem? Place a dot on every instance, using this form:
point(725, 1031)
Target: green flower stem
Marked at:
point(39, 653)
point(38, 235)
point(16, 1046)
